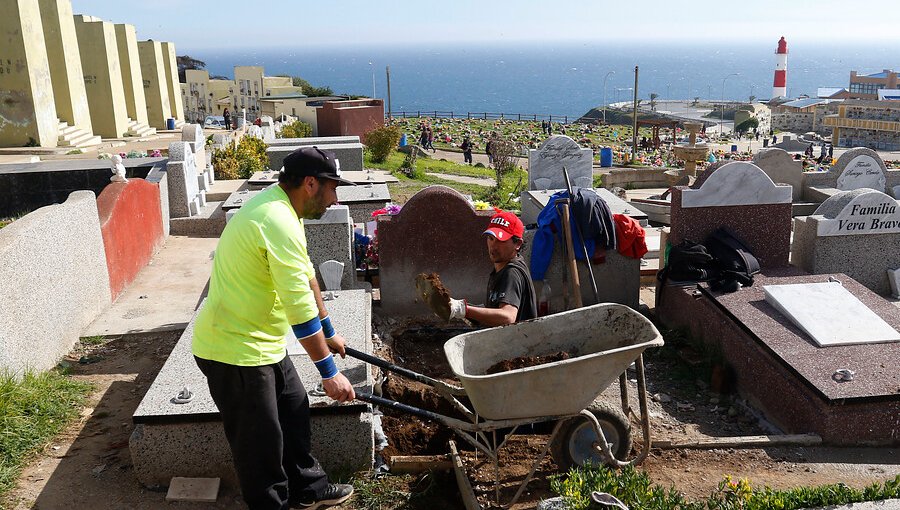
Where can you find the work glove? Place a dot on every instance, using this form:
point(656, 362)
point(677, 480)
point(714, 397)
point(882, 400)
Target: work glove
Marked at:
point(457, 309)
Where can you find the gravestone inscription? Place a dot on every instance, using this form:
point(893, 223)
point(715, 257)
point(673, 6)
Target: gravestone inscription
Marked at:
point(545, 164)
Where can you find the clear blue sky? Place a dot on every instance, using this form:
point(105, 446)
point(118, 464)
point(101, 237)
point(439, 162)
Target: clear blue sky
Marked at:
point(296, 24)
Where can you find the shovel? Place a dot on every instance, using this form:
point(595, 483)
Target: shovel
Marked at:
point(433, 293)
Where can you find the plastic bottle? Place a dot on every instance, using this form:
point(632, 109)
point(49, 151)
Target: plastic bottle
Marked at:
point(544, 300)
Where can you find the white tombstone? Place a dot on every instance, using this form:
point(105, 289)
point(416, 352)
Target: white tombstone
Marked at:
point(545, 164)
point(862, 212)
point(782, 169)
point(736, 183)
point(183, 184)
point(860, 168)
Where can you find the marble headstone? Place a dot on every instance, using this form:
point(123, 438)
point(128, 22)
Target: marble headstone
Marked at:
point(858, 169)
point(829, 314)
point(184, 190)
point(736, 183)
point(862, 211)
point(782, 169)
point(545, 164)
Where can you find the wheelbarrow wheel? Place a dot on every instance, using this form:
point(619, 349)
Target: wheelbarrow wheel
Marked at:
point(573, 445)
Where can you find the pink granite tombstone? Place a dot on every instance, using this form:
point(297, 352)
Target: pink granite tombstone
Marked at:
point(740, 196)
point(437, 231)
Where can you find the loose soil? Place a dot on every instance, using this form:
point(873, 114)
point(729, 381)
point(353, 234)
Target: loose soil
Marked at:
point(525, 362)
point(434, 294)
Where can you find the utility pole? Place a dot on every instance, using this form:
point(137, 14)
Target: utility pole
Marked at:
point(372, 66)
point(634, 133)
point(722, 118)
point(387, 71)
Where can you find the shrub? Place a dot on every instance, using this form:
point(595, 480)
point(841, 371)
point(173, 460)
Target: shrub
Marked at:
point(381, 141)
point(409, 168)
point(241, 160)
point(296, 129)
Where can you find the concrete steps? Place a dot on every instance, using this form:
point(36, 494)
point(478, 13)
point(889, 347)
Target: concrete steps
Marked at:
point(139, 129)
point(75, 137)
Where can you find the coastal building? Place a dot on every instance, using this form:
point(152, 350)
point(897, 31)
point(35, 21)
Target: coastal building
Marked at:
point(862, 123)
point(70, 79)
point(758, 111)
point(866, 86)
point(803, 115)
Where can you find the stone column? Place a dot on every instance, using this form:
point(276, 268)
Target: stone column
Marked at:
point(28, 113)
point(156, 92)
point(170, 63)
point(135, 103)
point(102, 76)
point(69, 93)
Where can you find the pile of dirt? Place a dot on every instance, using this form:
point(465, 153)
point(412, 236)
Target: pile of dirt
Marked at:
point(525, 362)
point(433, 293)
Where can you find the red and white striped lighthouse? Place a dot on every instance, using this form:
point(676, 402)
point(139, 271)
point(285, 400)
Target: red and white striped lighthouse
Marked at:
point(779, 87)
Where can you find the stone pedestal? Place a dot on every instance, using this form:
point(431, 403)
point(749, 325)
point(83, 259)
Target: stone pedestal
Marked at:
point(69, 92)
point(156, 90)
point(132, 81)
point(102, 76)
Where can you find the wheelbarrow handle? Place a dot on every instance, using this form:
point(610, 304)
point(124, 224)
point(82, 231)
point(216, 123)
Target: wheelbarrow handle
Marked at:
point(405, 372)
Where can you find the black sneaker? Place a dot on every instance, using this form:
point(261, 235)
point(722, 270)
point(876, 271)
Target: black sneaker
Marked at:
point(334, 494)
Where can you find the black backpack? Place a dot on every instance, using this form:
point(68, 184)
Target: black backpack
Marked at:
point(735, 265)
point(688, 261)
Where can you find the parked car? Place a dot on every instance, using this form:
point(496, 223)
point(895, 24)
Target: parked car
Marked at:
point(214, 121)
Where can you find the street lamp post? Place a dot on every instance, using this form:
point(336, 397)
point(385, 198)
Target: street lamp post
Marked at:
point(372, 66)
point(604, 94)
point(722, 117)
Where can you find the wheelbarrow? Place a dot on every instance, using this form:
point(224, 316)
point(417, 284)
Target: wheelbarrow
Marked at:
point(602, 340)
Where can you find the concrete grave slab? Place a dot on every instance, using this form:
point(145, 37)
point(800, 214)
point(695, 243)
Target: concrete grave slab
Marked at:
point(784, 374)
point(312, 140)
point(782, 169)
point(184, 189)
point(364, 199)
point(238, 199)
point(829, 314)
point(534, 201)
point(545, 164)
point(187, 439)
point(331, 238)
point(350, 155)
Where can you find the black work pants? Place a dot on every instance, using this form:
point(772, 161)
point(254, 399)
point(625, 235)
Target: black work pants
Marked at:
point(265, 411)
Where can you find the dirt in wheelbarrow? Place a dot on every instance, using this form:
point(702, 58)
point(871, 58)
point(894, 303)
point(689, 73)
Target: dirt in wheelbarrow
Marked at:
point(525, 362)
point(690, 397)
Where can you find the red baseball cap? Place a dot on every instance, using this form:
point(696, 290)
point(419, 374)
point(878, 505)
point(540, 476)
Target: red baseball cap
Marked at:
point(505, 225)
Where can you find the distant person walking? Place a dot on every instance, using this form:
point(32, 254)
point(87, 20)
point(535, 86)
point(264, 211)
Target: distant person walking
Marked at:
point(430, 140)
point(467, 150)
point(490, 155)
point(227, 115)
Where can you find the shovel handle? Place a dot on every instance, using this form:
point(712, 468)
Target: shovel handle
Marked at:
point(405, 372)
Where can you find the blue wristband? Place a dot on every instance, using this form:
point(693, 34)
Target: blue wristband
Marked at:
point(327, 328)
point(307, 329)
point(327, 368)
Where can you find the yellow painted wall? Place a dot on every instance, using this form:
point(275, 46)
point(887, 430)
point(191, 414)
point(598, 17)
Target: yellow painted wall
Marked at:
point(70, 96)
point(156, 91)
point(250, 78)
point(220, 89)
point(170, 64)
point(26, 91)
point(102, 76)
point(132, 81)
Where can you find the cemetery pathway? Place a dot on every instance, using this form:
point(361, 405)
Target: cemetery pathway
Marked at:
point(165, 293)
point(464, 179)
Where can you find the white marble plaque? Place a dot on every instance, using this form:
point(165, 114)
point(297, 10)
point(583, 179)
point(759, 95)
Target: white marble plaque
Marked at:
point(736, 183)
point(545, 164)
point(829, 314)
point(862, 172)
point(869, 213)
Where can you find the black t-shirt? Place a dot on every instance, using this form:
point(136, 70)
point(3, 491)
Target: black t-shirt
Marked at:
point(512, 285)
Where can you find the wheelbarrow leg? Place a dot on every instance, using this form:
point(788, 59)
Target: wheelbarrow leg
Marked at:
point(534, 466)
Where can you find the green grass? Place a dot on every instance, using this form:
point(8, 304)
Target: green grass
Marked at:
point(430, 165)
point(91, 341)
point(33, 410)
point(636, 490)
point(392, 491)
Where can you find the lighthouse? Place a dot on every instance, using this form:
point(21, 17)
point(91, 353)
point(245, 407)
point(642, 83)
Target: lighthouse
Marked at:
point(779, 87)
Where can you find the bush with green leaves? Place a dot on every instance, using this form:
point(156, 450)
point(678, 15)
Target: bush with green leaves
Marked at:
point(381, 141)
point(241, 160)
point(296, 129)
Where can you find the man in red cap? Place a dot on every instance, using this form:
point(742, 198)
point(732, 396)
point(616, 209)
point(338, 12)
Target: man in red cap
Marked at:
point(510, 292)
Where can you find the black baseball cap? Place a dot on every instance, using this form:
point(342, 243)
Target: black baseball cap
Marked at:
point(315, 162)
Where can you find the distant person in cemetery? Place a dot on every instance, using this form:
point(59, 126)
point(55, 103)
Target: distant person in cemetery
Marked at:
point(227, 115)
point(510, 294)
point(429, 140)
point(263, 283)
point(830, 150)
point(490, 155)
point(467, 150)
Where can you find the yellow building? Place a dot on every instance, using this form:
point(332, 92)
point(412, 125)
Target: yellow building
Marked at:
point(863, 123)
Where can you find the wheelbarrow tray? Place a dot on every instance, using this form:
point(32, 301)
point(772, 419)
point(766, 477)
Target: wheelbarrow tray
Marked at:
point(602, 340)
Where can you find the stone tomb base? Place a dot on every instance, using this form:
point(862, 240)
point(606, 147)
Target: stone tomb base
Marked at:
point(781, 371)
point(188, 440)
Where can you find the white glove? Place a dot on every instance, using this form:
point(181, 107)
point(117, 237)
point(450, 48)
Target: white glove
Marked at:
point(457, 309)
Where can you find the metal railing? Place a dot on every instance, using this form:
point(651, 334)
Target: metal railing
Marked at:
point(438, 114)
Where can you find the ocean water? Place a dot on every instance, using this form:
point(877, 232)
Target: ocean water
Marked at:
point(558, 79)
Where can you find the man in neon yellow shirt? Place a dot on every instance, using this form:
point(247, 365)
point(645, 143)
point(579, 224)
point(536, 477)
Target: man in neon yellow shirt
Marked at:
point(262, 283)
